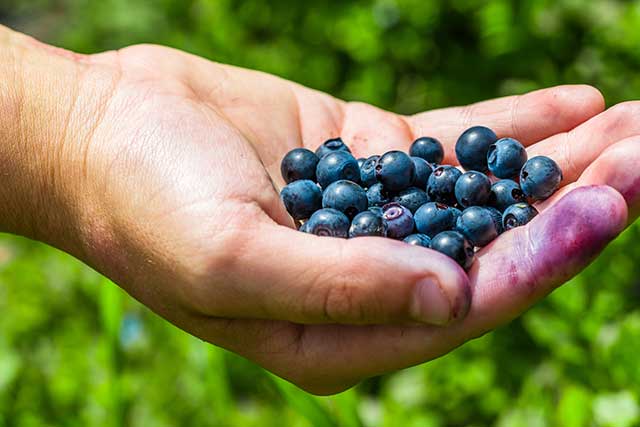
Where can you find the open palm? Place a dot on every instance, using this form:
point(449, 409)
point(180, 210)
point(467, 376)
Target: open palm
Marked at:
point(177, 159)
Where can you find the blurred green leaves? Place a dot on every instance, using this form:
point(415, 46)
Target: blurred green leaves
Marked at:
point(75, 350)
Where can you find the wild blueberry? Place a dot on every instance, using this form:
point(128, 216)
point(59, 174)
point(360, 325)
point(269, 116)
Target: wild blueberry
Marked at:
point(427, 148)
point(472, 189)
point(517, 215)
point(505, 193)
point(301, 198)
point(335, 166)
point(423, 172)
point(478, 225)
point(299, 163)
point(377, 195)
point(455, 246)
point(540, 177)
point(497, 218)
point(441, 184)
point(368, 171)
point(360, 161)
point(506, 157)
point(345, 196)
point(472, 148)
point(376, 210)
point(418, 240)
point(432, 218)
point(330, 145)
point(368, 223)
point(304, 227)
point(395, 170)
point(411, 198)
point(399, 220)
point(328, 222)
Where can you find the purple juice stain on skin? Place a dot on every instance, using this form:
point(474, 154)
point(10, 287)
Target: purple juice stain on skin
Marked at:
point(571, 233)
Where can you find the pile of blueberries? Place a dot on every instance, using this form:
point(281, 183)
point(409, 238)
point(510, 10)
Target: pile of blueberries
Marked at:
point(413, 197)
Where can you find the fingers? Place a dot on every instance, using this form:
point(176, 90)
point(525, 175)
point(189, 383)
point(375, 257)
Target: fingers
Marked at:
point(574, 151)
point(518, 269)
point(528, 118)
point(288, 275)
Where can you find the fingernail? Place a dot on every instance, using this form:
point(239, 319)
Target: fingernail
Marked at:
point(430, 304)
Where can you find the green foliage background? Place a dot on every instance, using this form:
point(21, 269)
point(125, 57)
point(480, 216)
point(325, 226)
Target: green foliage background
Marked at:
point(75, 350)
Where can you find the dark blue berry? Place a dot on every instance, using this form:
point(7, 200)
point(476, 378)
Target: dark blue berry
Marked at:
point(368, 223)
point(395, 170)
point(473, 189)
point(299, 163)
point(506, 157)
point(331, 145)
point(540, 177)
point(412, 198)
point(442, 183)
point(376, 209)
point(423, 172)
point(472, 148)
point(301, 198)
point(377, 195)
point(497, 218)
point(360, 161)
point(505, 193)
point(399, 220)
point(368, 171)
point(428, 149)
point(328, 222)
point(335, 166)
point(517, 215)
point(418, 240)
point(478, 225)
point(455, 246)
point(345, 196)
point(432, 218)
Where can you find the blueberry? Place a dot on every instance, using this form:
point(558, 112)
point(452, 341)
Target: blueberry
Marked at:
point(399, 220)
point(360, 161)
point(336, 166)
point(442, 183)
point(331, 145)
point(423, 172)
point(505, 193)
point(301, 198)
point(368, 223)
point(517, 215)
point(432, 218)
point(455, 246)
point(368, 171)
point(378, 210)
point(540, 177)
point(412, 198)
point(345, 196)
point(418, 240)
point(328, 222)
point(395, 170)
point(473, 189)
point(428, 149)
point(478, 225)
point(506, 157)
point(299, 163)
point(377, 195)
point(472, 148)
point(304, 227)
point(497, 218)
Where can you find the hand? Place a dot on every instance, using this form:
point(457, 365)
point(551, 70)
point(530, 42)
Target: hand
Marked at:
point(159, 172)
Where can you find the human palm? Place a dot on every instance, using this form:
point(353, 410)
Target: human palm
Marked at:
point(177, 167)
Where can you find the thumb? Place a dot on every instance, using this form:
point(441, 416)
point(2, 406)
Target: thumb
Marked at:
point(304, 278)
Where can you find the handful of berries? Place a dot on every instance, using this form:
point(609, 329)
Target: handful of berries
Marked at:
point(413, 197)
